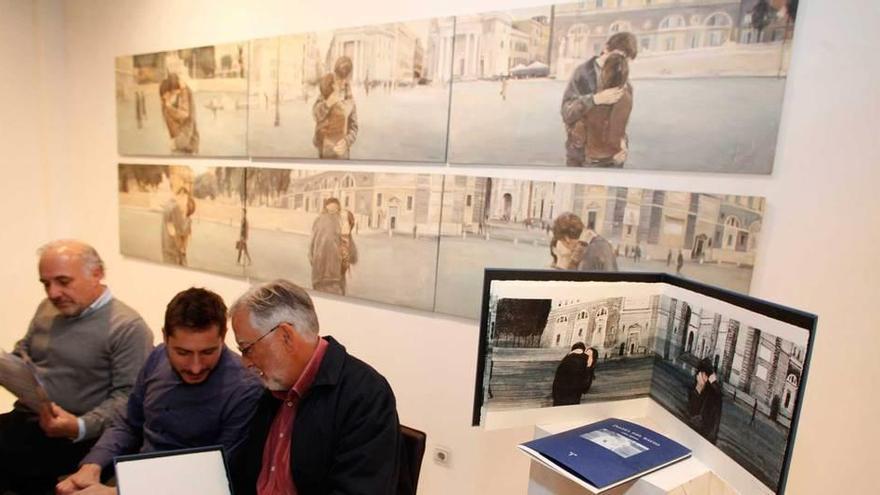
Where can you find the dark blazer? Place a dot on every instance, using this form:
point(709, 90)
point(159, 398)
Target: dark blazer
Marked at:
point(345, 436)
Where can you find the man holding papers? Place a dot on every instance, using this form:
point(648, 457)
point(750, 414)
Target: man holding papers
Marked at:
point(192, 392)
point(86, 348)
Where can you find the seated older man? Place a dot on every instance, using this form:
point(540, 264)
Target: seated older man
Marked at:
point(328, 421)
point(87, 347)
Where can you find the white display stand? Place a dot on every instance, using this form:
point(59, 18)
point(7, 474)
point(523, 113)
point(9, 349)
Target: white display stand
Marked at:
point(688, 477)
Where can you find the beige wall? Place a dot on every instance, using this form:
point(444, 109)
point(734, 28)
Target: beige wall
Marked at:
point(819, 241)
point(23, 188)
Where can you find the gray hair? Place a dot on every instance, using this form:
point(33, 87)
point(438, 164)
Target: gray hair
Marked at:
point(277, 302)
point(89, 255)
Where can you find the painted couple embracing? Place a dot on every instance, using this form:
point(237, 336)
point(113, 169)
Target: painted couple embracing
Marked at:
point(597, 104)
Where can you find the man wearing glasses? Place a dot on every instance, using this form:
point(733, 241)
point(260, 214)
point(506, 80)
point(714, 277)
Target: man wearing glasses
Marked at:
point(328, 421)
point(192, 392)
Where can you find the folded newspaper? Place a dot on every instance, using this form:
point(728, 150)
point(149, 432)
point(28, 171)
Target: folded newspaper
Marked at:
point(19, 376)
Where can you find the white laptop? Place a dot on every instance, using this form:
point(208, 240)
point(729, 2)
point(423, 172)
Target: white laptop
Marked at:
point(200, 471)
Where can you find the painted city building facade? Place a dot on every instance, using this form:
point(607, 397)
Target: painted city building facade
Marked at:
point(617, 327)
point(706, 228)
point(759, 369)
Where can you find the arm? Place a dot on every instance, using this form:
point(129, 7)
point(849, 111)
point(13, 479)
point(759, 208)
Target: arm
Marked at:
point(314, 239)
point(351, 137)
point(182, 240)
point(352, 250)
point(168, 218)
point(124, 437)
point(321, 108)
point(237, 416)
point(366, 457)
point(695, 402)
point(576, 103)
point(23, 347)
point(619, 119)
point(712, 413)
point(183, 111)
point(130, 344)
point(126, 434)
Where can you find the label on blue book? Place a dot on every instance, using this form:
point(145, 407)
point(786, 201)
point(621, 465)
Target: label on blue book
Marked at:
point(607, 453)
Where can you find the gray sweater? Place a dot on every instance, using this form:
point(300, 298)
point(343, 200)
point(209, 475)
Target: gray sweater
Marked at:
point(88, 364)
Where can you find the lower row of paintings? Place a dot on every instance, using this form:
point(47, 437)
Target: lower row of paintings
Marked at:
point(423, 240)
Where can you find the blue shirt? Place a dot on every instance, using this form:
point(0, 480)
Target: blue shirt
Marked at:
point(98, 303)
point(165, 413)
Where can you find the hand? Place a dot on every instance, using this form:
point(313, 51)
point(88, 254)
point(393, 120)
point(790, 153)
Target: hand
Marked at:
point(608, 96)
point(58, 423)
point(621, 155)
point(701, 382)
point(340, 147)
point(333, 99)
point(88, 475)
point(97, 490)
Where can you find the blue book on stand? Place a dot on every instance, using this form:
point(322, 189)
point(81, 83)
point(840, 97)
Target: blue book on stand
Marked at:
point(602, 455)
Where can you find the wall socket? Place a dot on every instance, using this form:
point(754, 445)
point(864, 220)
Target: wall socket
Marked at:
point(442, 455)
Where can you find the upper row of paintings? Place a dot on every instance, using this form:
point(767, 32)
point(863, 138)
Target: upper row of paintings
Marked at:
point(687, 85)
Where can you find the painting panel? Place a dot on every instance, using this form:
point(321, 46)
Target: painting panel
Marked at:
point(692, 85)
point(363, 93)
point(491, 222)
point(189, 102)
point(533, 337)
point(734, 381)
point(360, 234)
point(184, 216)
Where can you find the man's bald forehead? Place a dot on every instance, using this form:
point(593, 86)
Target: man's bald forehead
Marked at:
point(68, 247)
point(72, 249)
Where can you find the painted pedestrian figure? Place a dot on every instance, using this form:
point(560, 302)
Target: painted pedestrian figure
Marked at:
point(332, 251)
point(177, 226)
point(244, 257)
point(704, 401)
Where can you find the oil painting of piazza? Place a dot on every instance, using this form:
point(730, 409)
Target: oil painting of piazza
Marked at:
point(706, 81)
point(423, 240)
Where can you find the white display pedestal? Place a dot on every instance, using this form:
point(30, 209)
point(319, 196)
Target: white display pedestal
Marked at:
point(688, 477)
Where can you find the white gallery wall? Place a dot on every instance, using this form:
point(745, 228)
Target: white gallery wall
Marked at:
point(24, 163)
point(819, 245)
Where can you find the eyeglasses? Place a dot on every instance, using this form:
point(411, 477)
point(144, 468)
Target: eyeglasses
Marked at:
point(246, 349)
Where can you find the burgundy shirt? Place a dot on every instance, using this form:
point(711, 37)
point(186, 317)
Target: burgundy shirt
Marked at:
point(275, 476)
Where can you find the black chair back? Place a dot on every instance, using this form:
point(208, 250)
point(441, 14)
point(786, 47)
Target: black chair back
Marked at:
point(412, 450)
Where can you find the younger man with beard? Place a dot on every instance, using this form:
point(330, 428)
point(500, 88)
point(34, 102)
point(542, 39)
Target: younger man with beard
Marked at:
point(192, 392)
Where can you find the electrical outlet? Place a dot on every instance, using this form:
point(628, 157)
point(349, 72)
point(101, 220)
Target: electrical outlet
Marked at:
point(442, 455)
